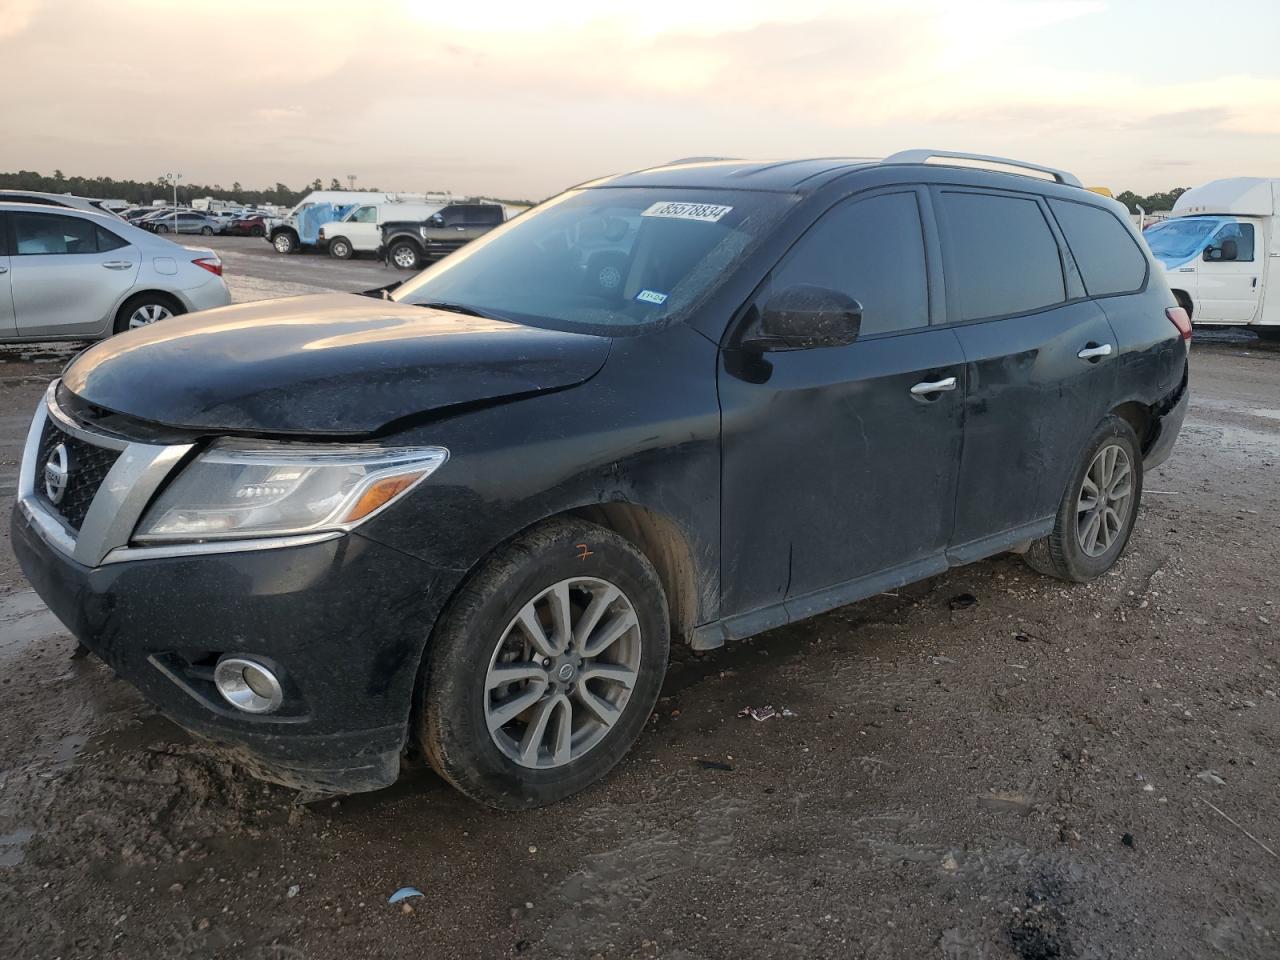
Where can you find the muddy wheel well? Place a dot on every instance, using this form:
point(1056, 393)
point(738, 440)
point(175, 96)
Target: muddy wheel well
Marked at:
point(659, 539)
point(1138, 416)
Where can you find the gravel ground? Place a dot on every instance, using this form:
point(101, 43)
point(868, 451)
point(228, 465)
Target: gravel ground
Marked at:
point(1047, 772)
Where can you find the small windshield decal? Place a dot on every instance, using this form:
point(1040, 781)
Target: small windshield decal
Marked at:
point(651, 296)
point(679, 210)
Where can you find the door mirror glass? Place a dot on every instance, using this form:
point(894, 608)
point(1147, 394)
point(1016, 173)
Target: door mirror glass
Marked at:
point(436, 220)
point(1228, 250)
point(804, 316)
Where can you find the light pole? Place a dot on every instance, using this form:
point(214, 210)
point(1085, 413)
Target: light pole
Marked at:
point(173, 179)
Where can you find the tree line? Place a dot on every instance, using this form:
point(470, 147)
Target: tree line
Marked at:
point(145, 191)
point(1155, 201)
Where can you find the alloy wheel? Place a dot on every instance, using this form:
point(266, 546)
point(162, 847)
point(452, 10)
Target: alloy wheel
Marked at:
point(148, 313)
point(1105, 501)
point(562, 673)
point(404, 258)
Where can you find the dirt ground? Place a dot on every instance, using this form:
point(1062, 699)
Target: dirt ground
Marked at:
point(1047, 772)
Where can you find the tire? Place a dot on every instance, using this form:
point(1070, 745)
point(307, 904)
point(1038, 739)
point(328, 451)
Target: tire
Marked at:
point(1066, 552)
point(284, 242)
point(405, 255)
point(144, 309)
point(480, 625)
point(257, 232)
point(206, 231)
point(340, 248)
point(161, 228)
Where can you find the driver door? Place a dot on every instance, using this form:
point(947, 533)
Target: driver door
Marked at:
point(839, 465)
point(1228, 288)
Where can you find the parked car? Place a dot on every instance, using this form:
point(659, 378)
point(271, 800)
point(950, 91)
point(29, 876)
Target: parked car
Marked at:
point(182, 221)
point(74, 275)
point(299, 228)
point(1214, 252)
point(473, 510)
point(251, 226)
point(409, 245)
point(55, 200)
point(360, 230)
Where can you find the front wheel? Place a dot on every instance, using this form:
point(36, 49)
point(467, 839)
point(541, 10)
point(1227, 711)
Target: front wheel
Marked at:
point(405, 255)
point(256, 231)
point(545, 667)
point(284, 242)
point(340, 248)
point(1098, 510)
point(207, 231)
point(162, 229)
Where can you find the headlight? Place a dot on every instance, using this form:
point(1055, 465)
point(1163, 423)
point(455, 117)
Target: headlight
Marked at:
point(256, 489)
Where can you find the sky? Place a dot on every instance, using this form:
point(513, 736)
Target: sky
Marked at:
point(522, 98)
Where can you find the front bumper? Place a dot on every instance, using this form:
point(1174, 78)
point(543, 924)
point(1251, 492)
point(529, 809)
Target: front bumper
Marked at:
point(343, 622)
point(341, 619)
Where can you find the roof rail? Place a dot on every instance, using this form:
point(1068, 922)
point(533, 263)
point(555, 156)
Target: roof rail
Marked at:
point(672, 163)
point(922, 156)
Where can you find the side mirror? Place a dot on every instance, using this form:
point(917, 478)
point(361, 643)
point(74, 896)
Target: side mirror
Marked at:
point(437, 220)
point(1229, 250)
point(802, 317)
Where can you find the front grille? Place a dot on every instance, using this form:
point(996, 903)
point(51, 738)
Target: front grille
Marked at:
point(87, 468)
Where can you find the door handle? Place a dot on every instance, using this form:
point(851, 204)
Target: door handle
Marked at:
point(927, 387)
point(118, 264)
point(1094, 352)
point(4, 269)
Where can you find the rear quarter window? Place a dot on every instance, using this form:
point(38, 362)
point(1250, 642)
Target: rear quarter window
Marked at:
point(1109, 259)
point(1003, 258)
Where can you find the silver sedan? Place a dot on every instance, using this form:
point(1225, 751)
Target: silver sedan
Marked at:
point(74, 275)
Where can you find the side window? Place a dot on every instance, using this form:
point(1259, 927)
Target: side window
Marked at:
point(365, 215)
point(37, 233)
point(1107, 255)
point(454, 216)
point(1242, 234)
point(1004, 258)
point(872, 250)
point(489, 215)
point(109, 241)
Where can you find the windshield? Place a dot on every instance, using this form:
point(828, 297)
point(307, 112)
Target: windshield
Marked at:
point(608, 258)
point(1180, 238)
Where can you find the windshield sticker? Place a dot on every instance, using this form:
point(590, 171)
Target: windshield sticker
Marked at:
point(652, 296)
point(679, 210)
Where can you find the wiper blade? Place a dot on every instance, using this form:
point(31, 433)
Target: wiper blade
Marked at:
point(459, 308)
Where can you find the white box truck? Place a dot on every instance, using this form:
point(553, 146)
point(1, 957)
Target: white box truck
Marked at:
point(1221, 253)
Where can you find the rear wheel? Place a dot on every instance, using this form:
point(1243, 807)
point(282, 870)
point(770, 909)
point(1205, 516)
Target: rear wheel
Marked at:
point(1098, 510)
point(544, 669)
point(162, 228)
point(145, 309)
point(207, 231)
point(405, 255)
point(340, 248)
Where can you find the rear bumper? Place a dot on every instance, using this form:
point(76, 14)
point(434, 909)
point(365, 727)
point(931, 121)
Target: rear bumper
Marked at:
point(1168, 425)
point(343, 622)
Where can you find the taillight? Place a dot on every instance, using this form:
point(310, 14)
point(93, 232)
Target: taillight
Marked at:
point(1178, 316)
point(214, 266)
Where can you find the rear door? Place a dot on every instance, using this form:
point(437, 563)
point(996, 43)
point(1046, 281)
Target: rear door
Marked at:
point(8, 325)
point(1040, 362)
point(1229, 288)
point(839, 466)
point(68, 273)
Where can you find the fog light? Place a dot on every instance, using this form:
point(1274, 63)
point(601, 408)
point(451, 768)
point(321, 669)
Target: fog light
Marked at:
point(247, 685)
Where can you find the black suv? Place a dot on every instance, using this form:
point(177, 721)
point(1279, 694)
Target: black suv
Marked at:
point(473, 511)
point(408, 244)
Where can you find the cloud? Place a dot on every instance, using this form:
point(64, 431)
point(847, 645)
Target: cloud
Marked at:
point(520, 99)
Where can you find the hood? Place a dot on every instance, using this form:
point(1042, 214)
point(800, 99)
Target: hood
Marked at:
point(336, 364)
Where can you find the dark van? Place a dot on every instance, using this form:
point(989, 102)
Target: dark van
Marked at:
point(472, 512)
